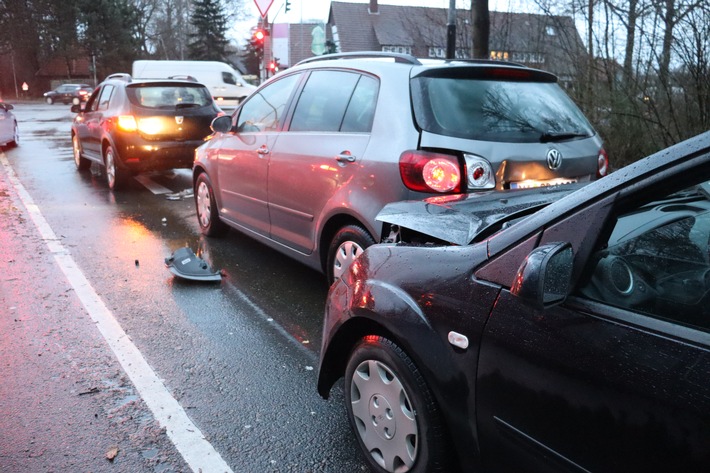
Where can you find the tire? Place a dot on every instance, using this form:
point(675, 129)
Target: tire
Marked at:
point(116, 177)
point(347, 244)
point(206, 206)
point(391, 410)
point(76, 101)
point(49, 100)
point(80, 161)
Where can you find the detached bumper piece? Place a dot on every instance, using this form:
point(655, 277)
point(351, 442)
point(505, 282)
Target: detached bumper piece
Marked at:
point(185, 264)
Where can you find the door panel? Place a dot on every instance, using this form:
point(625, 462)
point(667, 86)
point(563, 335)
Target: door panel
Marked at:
point(315, 162)
point(564, 389)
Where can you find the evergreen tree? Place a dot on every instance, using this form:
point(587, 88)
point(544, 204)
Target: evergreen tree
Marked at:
point(209, 22)
point(109, 31)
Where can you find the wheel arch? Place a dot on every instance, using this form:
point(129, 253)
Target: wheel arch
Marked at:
point(331, 227)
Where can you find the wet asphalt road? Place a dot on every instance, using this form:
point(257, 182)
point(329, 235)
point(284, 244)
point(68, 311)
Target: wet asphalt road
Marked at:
point(239, 356)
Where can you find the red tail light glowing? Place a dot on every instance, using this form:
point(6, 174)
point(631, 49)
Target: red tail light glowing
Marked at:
point(424, 171)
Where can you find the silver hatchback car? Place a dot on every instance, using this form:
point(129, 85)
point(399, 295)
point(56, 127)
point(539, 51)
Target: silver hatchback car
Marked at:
point(306, 162)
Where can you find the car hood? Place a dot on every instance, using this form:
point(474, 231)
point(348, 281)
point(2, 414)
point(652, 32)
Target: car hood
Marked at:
point(458, 219)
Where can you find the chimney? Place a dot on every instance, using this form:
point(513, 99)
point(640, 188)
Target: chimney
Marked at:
point(373, 8)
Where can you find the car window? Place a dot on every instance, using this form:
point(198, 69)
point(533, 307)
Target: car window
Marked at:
point(228, 78)
point(495, 110)
point(169, 97)
point(322, 104)
point(105, 97)
point(264, 109)
point(656, 260)
point(361, 110)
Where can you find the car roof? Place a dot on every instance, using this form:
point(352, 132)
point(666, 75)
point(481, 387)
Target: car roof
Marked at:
point(422, 66)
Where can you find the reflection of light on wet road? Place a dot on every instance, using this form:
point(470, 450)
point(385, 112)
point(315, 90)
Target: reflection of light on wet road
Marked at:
point(184, 434)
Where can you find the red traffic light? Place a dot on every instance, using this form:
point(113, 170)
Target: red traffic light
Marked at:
point(259, 35)
point(273, 66)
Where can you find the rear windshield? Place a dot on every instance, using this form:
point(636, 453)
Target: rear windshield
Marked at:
point(495, 110)
point(164, 96)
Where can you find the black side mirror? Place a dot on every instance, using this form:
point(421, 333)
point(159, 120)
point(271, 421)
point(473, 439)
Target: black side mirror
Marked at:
point(543, 279)
point(79, 107)
point(221, 124)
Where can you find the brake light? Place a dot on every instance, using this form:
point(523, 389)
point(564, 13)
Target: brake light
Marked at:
point(127, 123)
point(424, 171)
point(602, 163)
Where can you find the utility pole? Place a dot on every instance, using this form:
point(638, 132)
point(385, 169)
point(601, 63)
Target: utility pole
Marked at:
point(451, 31)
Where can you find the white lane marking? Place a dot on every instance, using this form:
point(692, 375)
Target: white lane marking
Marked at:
point(151, 185)
point(199, 454)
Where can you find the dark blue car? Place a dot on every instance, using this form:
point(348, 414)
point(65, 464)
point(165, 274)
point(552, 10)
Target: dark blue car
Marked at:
point(566, 329)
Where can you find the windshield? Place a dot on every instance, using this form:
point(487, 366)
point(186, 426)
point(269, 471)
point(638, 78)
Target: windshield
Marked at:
point(163, 96)
point(495, 110)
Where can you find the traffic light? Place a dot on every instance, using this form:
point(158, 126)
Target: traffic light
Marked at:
point(258, 36)
point(274, 66)
point(287, 6)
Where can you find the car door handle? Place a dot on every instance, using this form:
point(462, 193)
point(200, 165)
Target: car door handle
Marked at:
point(345, 157)
point(263, 151)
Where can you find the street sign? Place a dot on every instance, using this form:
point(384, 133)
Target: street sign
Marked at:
point(263, 6)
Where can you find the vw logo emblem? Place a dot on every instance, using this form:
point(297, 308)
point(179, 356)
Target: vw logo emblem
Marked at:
point(554, 159)
point(179, 120)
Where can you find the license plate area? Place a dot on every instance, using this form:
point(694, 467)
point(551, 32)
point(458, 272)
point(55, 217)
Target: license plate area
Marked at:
point(532, 183)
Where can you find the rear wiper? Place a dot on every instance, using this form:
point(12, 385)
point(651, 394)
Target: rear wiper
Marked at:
point(186, 105)
point(548, 137)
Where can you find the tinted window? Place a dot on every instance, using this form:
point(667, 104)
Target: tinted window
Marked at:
point(228, 78)
point(361, 110)
point(495, 110)
point(657, 261)
point(168, 97)
point(264, 109)
point(323, 101)
point(105, 97)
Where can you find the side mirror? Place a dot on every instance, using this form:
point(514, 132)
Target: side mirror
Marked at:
point(221, 124)
point(543, 279)
point(7, 106)
point(76, 108)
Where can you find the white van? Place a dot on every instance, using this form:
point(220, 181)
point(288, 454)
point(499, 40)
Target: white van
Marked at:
point(226, 85)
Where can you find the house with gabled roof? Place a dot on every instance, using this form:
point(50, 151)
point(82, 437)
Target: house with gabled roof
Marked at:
point(546, 42)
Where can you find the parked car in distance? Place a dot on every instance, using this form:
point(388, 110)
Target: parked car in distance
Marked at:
point(9, 131)
point(132, 126)
point(310, 158)
point(69, 93)
point(569, 331)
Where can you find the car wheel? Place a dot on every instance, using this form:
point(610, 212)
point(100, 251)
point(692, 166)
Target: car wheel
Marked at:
point(81, 162)
point(50, 100)
point(115, 176)
point(206, 204)
point(75, 101)
point(391, 410)
point(346, 246)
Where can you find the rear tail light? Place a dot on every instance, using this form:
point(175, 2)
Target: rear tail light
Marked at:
point(602, 163)
point(127, 123)
point(425, 171)
point(479, 173)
